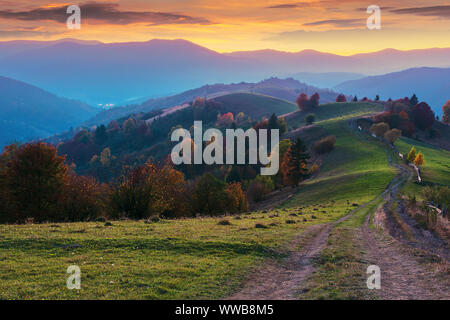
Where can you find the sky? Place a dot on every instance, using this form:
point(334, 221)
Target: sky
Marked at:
point(335, 26)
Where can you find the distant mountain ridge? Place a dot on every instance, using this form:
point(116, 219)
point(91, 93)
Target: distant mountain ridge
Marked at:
point(431, 85)
point(286, 89)
point(101, 73)
point(27, 112)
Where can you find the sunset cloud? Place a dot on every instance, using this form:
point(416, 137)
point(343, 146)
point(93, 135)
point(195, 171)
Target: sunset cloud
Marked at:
point(107, 13)
point(339, 23)
point(435, 11)
point(337, 26)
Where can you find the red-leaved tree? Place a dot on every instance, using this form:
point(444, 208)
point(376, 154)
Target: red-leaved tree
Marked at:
point(423, 116)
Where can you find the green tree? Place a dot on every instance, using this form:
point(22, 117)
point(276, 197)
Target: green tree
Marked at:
point(294, 166)
point(210, 195)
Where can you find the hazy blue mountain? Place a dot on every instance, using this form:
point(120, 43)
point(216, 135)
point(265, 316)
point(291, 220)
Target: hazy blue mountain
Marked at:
point(326, 79)
point(27, 112)
point(118, 73)
point(431, 85)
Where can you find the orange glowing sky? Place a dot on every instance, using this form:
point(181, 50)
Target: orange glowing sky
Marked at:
point(337, 26)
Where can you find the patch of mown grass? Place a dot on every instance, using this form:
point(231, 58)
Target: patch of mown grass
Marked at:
point(170, 259)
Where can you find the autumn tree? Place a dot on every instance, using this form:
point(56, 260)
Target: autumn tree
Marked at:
point(379, 129)
point(225, 119)
point(423, 116)
point(130, 194)
point(294, 166)
point(446, 112)
point(411, 155)
point(419, 160)
point(315, 100)
point(303, 102)
point(83, 199)
point(341, 98)
point(392, 135)
point(36, 177)
point(237, 201)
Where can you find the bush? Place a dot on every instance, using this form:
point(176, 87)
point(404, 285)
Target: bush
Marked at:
point(237, 199)
point(310, 119)
point(82, 200)
point(392, 135)
point(259, 188)
point(149, 191)
point(210, 195)
point(325, 145)
point(379, 129)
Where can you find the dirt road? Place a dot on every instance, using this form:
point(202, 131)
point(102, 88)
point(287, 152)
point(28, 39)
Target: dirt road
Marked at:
point(404, 273)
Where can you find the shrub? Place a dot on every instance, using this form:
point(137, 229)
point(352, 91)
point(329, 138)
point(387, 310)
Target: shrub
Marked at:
point(130, 195)
point(237, 200)
point(82, 200)
point(325, 145)
point(148, 191)
point(210, 195)
point(379, 129)
point(310, 119)
point(257, 191)
point(224, 223)
point(392, 135)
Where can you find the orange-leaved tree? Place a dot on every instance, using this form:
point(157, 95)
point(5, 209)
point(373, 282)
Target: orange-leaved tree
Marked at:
point(36, 177)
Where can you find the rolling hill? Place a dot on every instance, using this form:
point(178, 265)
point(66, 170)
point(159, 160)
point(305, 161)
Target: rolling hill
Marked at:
point(286, 89)
point(429, 84)
point(255, 105)
point(27, 112)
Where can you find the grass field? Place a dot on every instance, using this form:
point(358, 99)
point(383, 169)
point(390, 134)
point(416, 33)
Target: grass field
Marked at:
point(334, 111)
point(189, 258)
point(255, 105)
point(436, 169)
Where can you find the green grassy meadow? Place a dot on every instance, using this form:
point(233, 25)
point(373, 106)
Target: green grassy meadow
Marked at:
point(187, 258)
point(335, 111)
